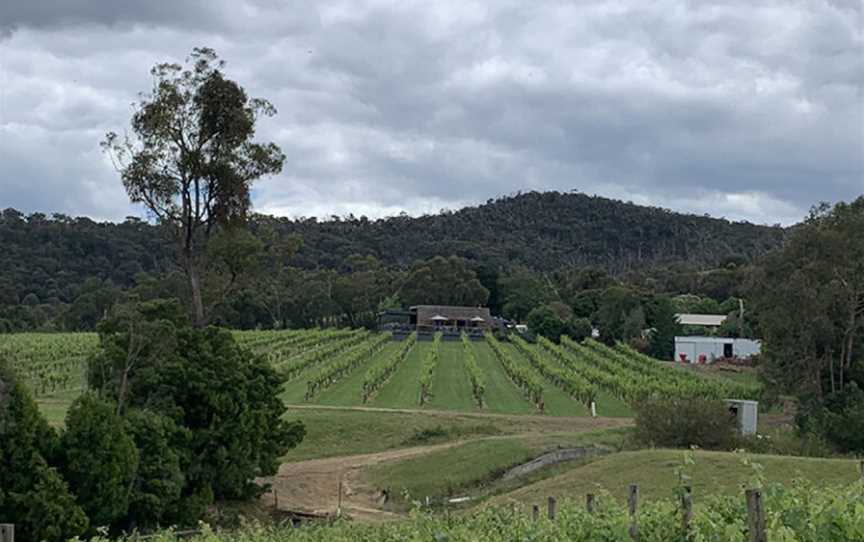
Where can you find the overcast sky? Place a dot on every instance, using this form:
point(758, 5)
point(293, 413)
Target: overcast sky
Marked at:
point(748, 110)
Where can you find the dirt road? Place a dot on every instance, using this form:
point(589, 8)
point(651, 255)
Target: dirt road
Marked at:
point(312, 486)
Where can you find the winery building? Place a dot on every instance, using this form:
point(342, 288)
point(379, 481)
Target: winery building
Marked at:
point(429, 319)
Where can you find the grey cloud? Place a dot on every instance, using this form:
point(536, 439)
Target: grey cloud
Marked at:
point(747, 110)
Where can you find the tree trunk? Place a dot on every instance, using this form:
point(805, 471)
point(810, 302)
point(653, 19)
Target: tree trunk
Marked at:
point(197, 300)
point(124, 387)
point(849, 343)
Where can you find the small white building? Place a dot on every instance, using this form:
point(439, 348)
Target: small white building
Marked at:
point(746, 414)
point(707, 349)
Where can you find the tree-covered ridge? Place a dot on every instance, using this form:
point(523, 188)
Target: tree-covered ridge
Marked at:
point(52, 257)
point(540, 230)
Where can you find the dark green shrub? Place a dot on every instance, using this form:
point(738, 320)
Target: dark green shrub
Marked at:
point(99, 459)
point(159, 480)
point(579, 329)
point(681, 423)
point(224, 396)
point(33, 496)
point(838, 418)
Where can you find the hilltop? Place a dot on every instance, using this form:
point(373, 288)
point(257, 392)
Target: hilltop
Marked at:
point(540, 230)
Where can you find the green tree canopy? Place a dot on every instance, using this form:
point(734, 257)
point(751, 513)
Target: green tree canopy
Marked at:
point(224, 396)
point(190, 157)
point(443, 281)
point(98, 459)
point(33, 495)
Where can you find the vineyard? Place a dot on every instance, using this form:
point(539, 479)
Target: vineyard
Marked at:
point(49, 362)
point(796, 513)
point(357, 367)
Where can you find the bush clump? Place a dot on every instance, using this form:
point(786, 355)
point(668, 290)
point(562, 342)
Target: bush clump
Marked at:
point(682, 423)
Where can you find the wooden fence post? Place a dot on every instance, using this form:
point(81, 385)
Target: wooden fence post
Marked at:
point(633, 507)
point(339, 498)
point(687, 511)
point(7, 532)
point(755, 516)
point(553, 504)
point(589, 503)
point(535, 512)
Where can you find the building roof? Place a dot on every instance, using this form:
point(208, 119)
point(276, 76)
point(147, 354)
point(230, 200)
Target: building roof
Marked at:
point(427, 312)
point(700, 319)
point(715, 340)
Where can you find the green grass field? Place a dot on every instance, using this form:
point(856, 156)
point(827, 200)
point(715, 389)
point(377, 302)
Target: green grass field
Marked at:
point(451, 389)
point(474, 467)
point(655, 472)
point(338, 431)
point(403, 389)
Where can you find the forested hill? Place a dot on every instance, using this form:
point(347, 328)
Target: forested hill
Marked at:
point(54, 256)
point(541, 230)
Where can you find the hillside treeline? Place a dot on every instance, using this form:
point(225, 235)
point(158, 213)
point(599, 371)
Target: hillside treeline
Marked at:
point(61, 272)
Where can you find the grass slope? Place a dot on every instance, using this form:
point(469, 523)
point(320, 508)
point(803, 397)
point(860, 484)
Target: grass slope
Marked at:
point(557, 402)
point(501, 394)
point(473, 467)
point(606, 404)
point(451, 387)
point(55, 406)
point(403, 388)
point(346, 392)
point(654, 472)
point(332, 432)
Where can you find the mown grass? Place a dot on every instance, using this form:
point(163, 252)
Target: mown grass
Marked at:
point(346, 392)
point(557, 403)
point(294, 391)
point(655, 473)
point(451, 387)
point(449, 472)
point(473, 468)
point(403, 388)
point(55, 406)
point(501, 394)
point(335, 432)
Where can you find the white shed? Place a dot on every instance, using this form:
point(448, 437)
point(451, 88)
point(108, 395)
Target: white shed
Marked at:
point(699, 349)
point(747, 414)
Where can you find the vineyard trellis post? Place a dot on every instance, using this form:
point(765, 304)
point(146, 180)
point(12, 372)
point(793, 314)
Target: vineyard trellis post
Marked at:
point(633, 508)
point(553, 505)
point(7, 532)
point(339, 497)
point(755, 516)
point(687, 512)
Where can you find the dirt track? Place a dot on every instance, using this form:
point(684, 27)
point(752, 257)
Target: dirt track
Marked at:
point(312, 486)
